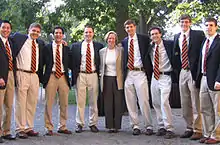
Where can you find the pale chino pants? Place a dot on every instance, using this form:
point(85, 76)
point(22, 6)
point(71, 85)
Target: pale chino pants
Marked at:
point(136, 88)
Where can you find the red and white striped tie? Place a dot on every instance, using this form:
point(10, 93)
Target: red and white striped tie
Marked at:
point(33, 57)
point(131, 55)
point(58, 72)
point(205, 57)
point(88, 59)
point(156, 63)
point(10, 63)
point(184, 53)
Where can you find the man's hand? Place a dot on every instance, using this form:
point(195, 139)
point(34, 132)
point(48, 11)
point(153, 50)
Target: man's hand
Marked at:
point(64, 43)
point(217, 85)
point(2, 82)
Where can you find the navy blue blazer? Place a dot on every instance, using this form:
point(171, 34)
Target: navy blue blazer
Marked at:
point(48, 62)
point(195, 41)
point(75, 58)
point(4, 61)
point(19, 40)
point(144, 44)
point(212, 64)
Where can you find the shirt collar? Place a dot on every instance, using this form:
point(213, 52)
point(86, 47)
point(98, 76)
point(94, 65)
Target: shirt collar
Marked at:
point(3, 39)
point(134, 37)
point(55, 44)
point(212, 37)
point(186, 33)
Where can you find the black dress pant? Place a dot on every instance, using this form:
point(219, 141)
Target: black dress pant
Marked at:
point(112, 103)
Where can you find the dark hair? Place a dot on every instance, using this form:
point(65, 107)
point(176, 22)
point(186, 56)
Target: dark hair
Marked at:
point(89, 26)
point(155, 28)
point(128, 22)
point(58, 27)
point(211, 20)
point(185, 16)
point(5, 21)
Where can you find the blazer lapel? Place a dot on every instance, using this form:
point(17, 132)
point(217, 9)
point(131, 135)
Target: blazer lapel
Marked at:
point(190, 40)
point(212, 47)
point(3, 47)
point(176, 44)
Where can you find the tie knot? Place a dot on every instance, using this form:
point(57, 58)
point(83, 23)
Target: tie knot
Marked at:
point(88, 45)
point(58, 46)
point(208, 40)
point(132, 40)
point(157, 46)
point(184, 35)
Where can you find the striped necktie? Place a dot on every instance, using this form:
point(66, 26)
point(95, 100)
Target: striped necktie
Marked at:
point(58, 72)
point(33, 57)
point(131, 55)
point(156, 63)
point(184, 53)
point(205, 57)
point(88, 59)
point(10, 64)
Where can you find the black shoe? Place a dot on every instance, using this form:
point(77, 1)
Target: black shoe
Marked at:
point(22, 135)
point(111, 131)
point(49, 133)
point(9, 137)
point(94, 129)
point(1, 140)
point(136, 131)
point(187, 134)
point(169, 135)
point(65, 131)
point(149, 132)
point(78, 129)
point(161, 132)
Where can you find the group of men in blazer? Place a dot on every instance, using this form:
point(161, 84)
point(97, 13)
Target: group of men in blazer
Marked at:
point(191, 59)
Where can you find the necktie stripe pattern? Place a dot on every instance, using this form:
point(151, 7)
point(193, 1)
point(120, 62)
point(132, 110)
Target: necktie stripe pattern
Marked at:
point(205, 57)
point(184, 53)
point(131, 56)
point(10, 64)
point(58, 72)
point(33, 57)
point(156, 63)
point(88, 59)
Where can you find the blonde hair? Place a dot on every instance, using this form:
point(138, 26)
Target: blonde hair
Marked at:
point(111, 32)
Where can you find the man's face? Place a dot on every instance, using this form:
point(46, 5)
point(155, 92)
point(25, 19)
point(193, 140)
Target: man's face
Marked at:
point(155, 36)
point(130, 29)
point(185, 25)
point(34, 32)
point(58, 35)
point(88, 34)
point(5, 30)
point(210, 28)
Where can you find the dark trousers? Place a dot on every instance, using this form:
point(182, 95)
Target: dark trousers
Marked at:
point(112, 103)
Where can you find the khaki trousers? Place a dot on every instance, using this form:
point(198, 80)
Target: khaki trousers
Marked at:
point(210, 109)
point(136, 88)
point(190, 101)
point(61, 87)
point(6, 103)
point(89, 81)
point(26, 100)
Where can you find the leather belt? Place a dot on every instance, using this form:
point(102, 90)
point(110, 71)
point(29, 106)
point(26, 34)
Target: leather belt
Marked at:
point(165, 73)
point(26, 71)
point(138, 69)
point(204, 74)
point(85, 72)
point(53, 72)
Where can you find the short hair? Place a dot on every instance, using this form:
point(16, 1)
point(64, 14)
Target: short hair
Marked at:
point(185, 16)
point(111, 32)
point(211, 20)
point(35, 25)
point(89, 26)
point(5, 21)
point(155, 28)
point(128, 22)
point(58, 27)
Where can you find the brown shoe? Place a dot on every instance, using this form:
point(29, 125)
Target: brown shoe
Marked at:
point(32, 133)
point(196, 136)
point(169, 135)
point(22, 135)
point(66, 131)
point(149, 132)
point(187, 134)
point(94, 129)
point(202, 140)
point(211, 141)
point(49, 133)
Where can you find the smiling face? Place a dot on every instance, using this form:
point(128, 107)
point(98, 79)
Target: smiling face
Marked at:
point(210, 28)
point(130, 29)
point(185, 24)
point(88, 34)
point(111, 40)
point(5, 30)
point(155, 36)
point(34, 32)
point(58, 35)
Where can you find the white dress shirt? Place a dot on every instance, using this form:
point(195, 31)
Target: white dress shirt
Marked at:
point(4, 41)
point(137, 56)
point(164, 62)
point(54, 46)
point(83, 56)
point(110, 63)
point(24, 56)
